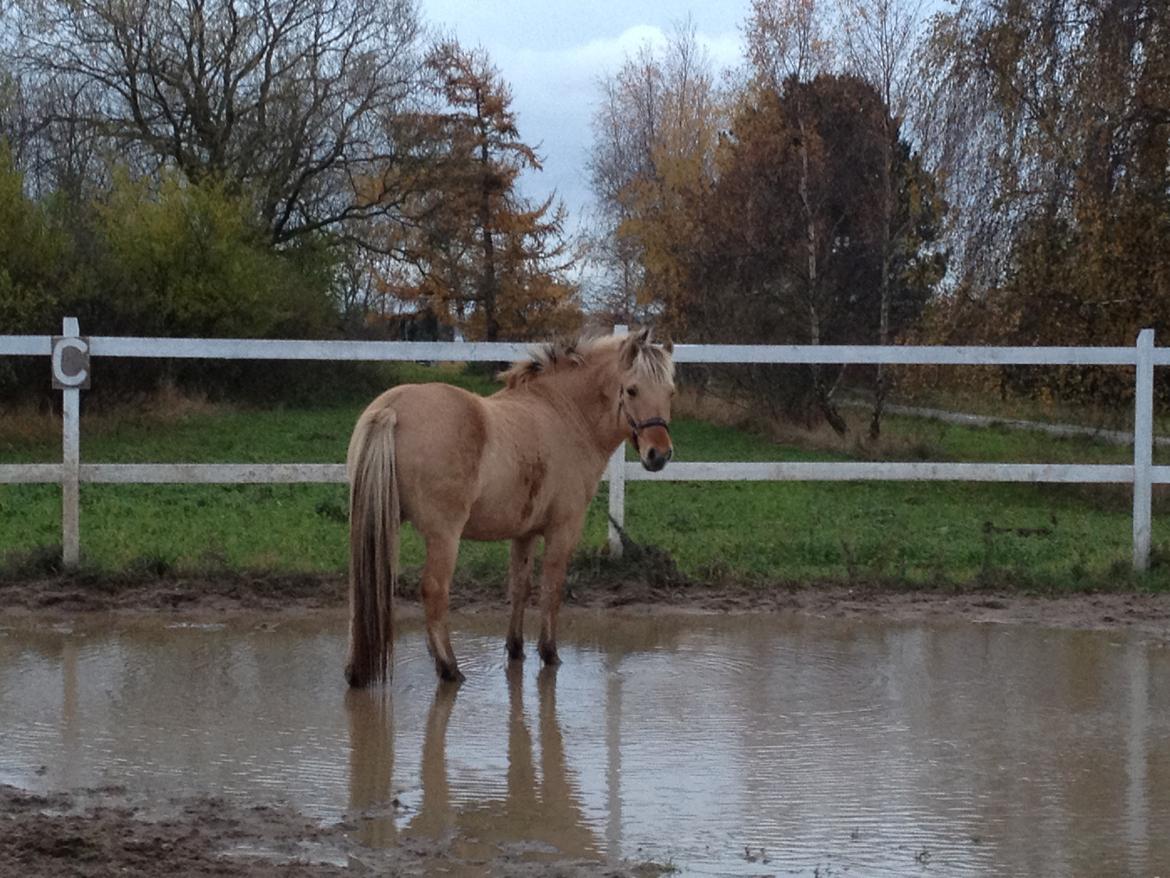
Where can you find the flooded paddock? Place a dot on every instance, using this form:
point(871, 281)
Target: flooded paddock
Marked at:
point(750, 744)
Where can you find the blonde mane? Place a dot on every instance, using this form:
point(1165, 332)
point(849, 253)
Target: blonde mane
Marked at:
point(652, 362)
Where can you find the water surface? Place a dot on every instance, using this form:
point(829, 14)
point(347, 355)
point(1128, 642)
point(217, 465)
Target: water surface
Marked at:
point(723, 744)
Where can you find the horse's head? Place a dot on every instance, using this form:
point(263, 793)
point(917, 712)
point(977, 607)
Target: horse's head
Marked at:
point(647, 387)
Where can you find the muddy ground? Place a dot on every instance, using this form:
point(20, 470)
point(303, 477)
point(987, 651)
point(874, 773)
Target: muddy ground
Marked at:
point(1142, 612)
point(101, 832)
point(104, 832)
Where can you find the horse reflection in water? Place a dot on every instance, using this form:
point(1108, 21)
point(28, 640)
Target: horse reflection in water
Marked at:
point(541, 817)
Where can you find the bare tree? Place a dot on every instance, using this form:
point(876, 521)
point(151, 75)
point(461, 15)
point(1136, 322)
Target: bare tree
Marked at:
point(291, 100)
point(625, 129)
point(789, 38)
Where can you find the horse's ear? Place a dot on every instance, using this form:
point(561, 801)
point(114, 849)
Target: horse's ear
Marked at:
point(668, 346)
point(643, 337)
point(629, 350)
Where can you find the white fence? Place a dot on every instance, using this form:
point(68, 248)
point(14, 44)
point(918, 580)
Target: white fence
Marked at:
point(70, 356)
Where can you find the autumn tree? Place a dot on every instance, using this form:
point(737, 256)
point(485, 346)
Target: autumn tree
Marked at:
point(761, 213)
point(796, 253)
point(491, 261)
point(652, 168)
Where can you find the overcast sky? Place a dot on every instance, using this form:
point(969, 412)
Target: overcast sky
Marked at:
point(552, 54)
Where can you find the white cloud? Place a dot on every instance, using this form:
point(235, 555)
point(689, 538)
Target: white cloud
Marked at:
point(605, 55)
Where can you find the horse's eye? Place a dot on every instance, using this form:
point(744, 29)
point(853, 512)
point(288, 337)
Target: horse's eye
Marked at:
point(631, 392)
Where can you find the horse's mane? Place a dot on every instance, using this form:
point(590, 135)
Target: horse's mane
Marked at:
point(652, 362)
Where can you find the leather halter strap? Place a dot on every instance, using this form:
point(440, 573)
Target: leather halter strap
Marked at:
point(637, 427)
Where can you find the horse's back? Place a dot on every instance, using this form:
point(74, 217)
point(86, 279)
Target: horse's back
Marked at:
point(501, 466)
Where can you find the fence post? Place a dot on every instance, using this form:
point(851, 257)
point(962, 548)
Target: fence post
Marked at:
point(1143, 449)
point(617, 484)
point(70, 367)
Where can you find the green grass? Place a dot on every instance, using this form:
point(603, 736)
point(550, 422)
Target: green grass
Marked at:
point(1064, 536)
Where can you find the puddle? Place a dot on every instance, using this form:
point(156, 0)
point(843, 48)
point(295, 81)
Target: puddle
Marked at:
point(723, 745)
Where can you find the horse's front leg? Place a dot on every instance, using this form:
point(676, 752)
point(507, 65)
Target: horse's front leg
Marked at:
point(436, 587)
point(519, 585)
point(558, 547)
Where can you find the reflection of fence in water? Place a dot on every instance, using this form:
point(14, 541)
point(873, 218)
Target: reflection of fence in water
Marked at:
point(71, 352)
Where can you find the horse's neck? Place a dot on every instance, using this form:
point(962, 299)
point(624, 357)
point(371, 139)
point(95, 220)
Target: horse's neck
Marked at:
point(587, 400)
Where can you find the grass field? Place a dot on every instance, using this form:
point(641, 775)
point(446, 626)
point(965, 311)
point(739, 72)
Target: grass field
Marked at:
point(930, 533)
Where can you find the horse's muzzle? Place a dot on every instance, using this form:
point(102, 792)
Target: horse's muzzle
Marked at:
point(655, 460)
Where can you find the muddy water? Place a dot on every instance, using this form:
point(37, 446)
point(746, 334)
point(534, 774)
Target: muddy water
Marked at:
point(725, 745)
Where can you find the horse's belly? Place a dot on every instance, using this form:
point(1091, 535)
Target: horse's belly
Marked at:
point(491, 531)
point(502, 517)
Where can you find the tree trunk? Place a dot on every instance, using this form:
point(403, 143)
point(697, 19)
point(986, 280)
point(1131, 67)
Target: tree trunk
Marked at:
point(487, 284)
point(875, 424)
point(824, 396)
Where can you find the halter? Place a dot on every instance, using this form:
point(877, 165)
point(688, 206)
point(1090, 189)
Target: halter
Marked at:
point(638, 426)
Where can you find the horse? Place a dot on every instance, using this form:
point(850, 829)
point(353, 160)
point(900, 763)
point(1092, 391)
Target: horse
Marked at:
point(520, 464)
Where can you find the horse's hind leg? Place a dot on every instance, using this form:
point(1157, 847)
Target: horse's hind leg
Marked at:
point(519, 585)
point(436, 588)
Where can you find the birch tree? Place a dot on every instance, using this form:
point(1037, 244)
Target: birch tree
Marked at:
point(881, 39)
point(787, 41)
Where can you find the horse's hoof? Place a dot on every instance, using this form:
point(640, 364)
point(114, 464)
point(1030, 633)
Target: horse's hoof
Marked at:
point(548, 655)
point(451, 674)
point(515, 648)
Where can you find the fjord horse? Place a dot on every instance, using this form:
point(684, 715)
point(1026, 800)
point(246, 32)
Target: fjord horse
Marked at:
point(520, 464)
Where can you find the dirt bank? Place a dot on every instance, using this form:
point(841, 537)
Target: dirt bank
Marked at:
point(104, 832)
point(1146, 613)
point(100, 832)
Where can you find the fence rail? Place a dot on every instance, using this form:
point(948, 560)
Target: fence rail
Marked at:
point(70, 358)
point(457, 351)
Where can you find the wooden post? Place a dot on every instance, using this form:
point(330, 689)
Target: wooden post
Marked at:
point(617, 484)
point(1143, 449)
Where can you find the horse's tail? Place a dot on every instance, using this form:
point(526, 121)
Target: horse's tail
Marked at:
point(374, 522)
